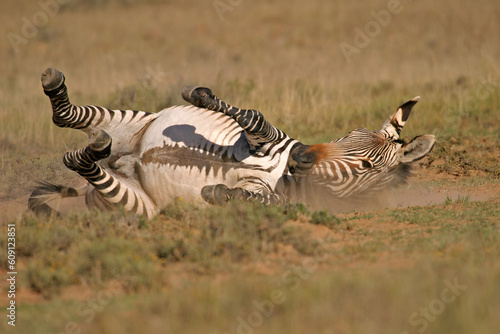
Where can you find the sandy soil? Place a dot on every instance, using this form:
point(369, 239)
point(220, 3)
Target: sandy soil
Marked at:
point(425, 188)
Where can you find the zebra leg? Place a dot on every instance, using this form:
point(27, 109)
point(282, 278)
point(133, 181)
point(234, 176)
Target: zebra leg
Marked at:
point(109, 191)
point(122, 125)
point(220, 194)
point(64, 114)
point(258, 131)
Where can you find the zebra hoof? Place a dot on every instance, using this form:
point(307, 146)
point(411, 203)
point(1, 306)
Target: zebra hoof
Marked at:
point(301, 159)
point(52, 79)
point(215, 194)
point(196, 95)
point(99, 140)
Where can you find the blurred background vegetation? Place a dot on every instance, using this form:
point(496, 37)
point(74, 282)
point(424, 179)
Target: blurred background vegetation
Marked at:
point(200, 272)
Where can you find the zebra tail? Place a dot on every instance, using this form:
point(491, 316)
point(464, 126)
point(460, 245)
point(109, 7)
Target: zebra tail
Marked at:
point(47, 193)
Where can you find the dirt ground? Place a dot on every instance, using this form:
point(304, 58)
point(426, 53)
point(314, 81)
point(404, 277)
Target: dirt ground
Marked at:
point(426, 187)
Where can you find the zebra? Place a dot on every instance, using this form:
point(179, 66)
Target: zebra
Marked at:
point(212, 152)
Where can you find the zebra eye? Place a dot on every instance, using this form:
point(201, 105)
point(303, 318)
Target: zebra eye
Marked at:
point(366, 164)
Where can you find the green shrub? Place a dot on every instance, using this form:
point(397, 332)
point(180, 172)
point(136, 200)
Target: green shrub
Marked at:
point(324, 218)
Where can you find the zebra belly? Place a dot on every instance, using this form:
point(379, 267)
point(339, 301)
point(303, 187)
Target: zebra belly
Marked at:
point(165, 183)
point(187, 148)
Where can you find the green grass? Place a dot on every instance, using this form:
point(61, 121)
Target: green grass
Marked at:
point(139, 278)
point(317, 302)
point(95, 247)
point(213, 270)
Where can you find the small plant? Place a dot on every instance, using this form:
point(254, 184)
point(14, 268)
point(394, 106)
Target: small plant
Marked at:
point(324, 218)
point(463, 199)
point(294, 210)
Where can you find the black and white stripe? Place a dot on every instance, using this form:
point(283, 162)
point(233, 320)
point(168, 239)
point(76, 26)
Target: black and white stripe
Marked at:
point(216, 152)
point(90, 118)
point(108, 191)
point(258, 130)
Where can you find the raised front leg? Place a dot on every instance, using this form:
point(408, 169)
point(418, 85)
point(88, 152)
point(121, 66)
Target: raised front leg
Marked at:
point(258, 131)
point(111, 191)
point(220, 194)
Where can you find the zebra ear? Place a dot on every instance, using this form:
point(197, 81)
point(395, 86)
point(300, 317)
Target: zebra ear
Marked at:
point(395, 123)
point(417, 148)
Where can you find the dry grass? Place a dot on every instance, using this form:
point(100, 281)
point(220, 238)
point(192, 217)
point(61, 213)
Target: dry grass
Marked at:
point(283, 59)
point(190, 270)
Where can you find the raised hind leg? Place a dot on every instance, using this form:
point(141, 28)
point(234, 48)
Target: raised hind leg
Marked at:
point(259, 132)
point(109, 190)
point(124, 126)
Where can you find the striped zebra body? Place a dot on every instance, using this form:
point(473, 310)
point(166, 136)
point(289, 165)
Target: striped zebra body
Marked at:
point(213, 152)
point(205, 147)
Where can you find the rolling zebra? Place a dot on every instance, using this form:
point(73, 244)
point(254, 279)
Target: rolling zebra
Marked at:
point(212, 152)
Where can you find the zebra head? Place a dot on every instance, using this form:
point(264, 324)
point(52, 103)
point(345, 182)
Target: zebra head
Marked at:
point(415, 149)
point(363, 160)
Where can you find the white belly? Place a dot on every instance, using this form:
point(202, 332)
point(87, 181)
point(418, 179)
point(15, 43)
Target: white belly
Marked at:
point(187, 148)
